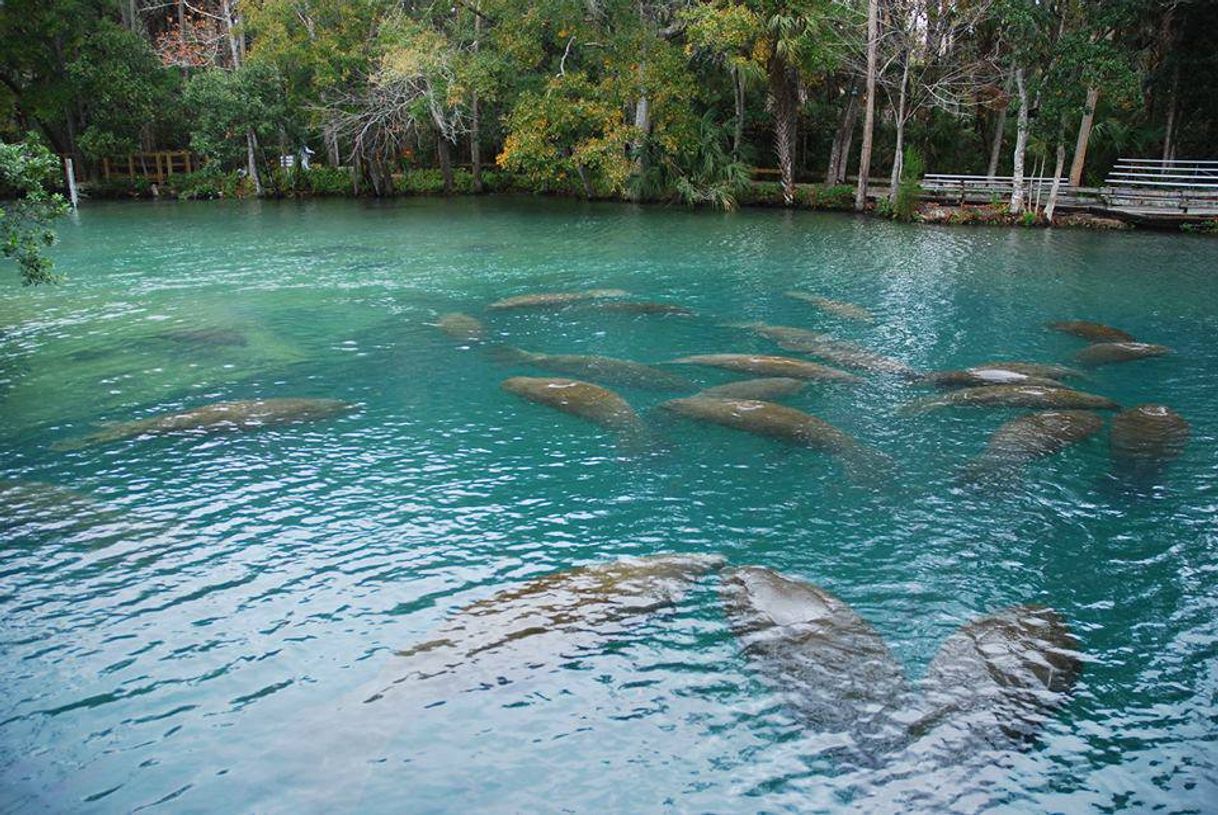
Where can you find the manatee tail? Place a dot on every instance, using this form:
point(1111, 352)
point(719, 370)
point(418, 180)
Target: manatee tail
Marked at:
point(505, 354)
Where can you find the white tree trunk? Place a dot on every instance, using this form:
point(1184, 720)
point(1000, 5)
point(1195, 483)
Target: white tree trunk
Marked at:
point(860, 192)
point(1057, 181)
point(1084, 136)
point(898, 153)
point(1021, 145)
point(251, 156)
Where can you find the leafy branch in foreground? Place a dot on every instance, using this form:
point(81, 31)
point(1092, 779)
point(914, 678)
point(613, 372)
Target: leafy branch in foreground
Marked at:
point(25, 217)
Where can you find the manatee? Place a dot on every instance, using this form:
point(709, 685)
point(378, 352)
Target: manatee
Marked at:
point(218, 417)
point(1027, 438)
point(641, 307)
point(546, 621)
point(1146, 437)
point(555, 299)
point(766, 388)
point(29, 507)
point(608, 370)
point(1023, 396)
point(765, 365)
point(1000, 677)
point(204, 336)
point(582, 399)
point(1092, 332)
point(835, 307)
point(839, 352)
point(785, 424)
point(831, 666)
point(1042, 370)
point(1108, 352)
point(975, 377)
point(462, 327)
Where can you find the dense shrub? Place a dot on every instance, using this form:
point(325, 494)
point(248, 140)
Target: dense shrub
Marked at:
point(431, 182)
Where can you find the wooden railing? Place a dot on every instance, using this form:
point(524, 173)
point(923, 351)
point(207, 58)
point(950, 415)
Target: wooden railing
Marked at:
point(1161, 187)
point(157, 166)
point(983, 187)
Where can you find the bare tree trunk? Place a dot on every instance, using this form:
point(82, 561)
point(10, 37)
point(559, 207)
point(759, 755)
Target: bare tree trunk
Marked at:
point(1169, 133)
point(840, 152)
point(898, 154)
point(738, 126)
point(251, 156)
point(330, 136)
point(1021, 145)
point(1057, 175)
point(1084, 136)
point(996, 143)
point(785, 92)
point(444, 150)
point(475, 126)
point(860, 193)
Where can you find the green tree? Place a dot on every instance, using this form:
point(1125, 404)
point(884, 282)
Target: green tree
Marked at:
point(25, 219)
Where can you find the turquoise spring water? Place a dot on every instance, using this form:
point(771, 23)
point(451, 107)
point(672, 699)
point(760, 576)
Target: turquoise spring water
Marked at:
point(185, 621)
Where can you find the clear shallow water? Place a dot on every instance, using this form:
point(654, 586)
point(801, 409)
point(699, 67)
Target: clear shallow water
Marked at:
point(194, 626)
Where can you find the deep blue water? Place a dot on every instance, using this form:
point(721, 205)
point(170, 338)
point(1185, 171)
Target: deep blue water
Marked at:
point(193, 626)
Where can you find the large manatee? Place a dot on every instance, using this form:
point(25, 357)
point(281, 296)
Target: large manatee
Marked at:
point(554, 299)
point(600, 369)
point(218, 417)
point(977, 377)
point(999, 678)
point(1105, 353)
point(767, 365)
point(1145, 438)
point(1027, 438)
point(583, 399)
point(1042, 370)
point(204, 336)
point(546, 620)
point(462, 327)
point(787, 424)
point(766, 388)
point(1024, 396)
point(1093, 332)
point(834, 307)
point(839, 352)
point(827, 661)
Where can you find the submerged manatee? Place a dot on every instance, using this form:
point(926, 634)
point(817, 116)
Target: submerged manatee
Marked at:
point(976, 377)
point(835, 307)
point(786, 424)
point(839, 352)
point(219, 417)
point(1042, 370)
point(204, 336)
point(462, 327)
point(545, 621)
point(582, 399)
point(555, 299)
point(1027, 438)
point(1093, 332)
point(826, 660)
point(1024, 396)
point(601, 369)
point(1145, 438)
point(767, 365)
point(766, 388)
point(999, 677)
point(641, 307)
point(1105, 353)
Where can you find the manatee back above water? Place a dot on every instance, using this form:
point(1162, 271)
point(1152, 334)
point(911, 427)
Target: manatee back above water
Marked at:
point(833, 668)
point(770, 365)
point(219, 417)
point(839, 352)
point(1024, 396)
point(462, 327)
point(583, 399)
point(1027, 438)
point(622, 372)
point(838, 308)
point(982, 376)
point(765, 388)
point(554, 299)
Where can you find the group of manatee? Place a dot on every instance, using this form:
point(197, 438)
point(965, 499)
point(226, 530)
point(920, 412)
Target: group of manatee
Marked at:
point(1141, 439)
point(995, 681)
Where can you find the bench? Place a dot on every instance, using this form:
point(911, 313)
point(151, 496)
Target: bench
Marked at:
point(1153, 186)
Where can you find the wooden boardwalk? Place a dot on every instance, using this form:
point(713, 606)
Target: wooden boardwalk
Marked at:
point(1147, 191)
